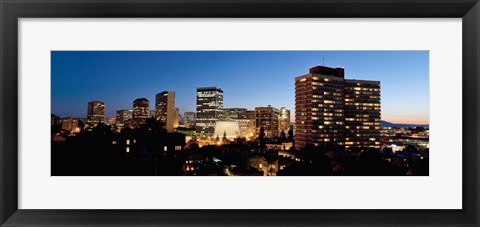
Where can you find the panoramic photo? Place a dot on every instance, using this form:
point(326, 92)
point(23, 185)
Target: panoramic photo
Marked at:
point(239, 113)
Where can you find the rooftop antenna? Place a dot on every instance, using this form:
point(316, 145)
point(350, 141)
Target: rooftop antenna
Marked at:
point(323, 61)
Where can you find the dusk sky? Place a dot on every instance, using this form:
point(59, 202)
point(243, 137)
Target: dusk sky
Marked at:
point(248, 78)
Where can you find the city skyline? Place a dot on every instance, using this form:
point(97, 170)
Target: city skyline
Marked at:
point(249, 78)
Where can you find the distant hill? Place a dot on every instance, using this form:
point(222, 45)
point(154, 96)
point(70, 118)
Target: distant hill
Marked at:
point(393, 125)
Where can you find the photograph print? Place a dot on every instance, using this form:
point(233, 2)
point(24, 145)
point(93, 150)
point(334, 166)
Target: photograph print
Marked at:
point(240, 113)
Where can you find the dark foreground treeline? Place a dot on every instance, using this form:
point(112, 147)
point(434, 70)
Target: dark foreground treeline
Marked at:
point(152, 151)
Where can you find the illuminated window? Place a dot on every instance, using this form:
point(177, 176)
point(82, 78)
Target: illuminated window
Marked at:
point(128, 142)
point(127, 149)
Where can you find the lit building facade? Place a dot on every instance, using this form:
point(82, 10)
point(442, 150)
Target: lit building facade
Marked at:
point(209, 109)
point(234, 113)
point(245, 119)
point(189, 118)
point(123, 118)
point(362, 114)
point(96, 111)
point(266, 117)
point(283, 120)
point(165, 109)
point(110, 121)
point(141, 111)
point(69, 124)
point(230, 129)
point(176, 119)
point(320, 108)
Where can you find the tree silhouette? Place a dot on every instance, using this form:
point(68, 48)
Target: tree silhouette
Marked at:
point(290, 135)
point(283, 136)
point(261, 138)
point(102, 130)
point(224, 136)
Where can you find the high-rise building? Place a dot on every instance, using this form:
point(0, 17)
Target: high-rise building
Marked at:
point(96, 111)
point(165, 108)
point(266, 117)
point(123, 118)
point(284, 120)
point(141, 111)
point(362, 114)
point(209, 109)
point(176, 118)
point(320, 107)
point(189, 118)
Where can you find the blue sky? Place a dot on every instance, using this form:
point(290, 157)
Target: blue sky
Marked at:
point(248, 78)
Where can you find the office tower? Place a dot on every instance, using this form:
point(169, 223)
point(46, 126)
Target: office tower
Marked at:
point(189, 118)
point(69, 124)
point(283, 120)
point(266, 117)
point(362, 114)
point(141, 111)
point(123, 118)
point(96, 111)
point(165, 108)
point(176, 118)
point(209, 109)
point(320, 109)
point(245, 119)
point(234, 113)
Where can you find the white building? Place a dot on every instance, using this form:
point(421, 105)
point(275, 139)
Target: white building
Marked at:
point(230, 128)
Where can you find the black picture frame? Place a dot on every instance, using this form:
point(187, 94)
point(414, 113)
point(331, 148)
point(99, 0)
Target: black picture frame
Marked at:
point(12, 10)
